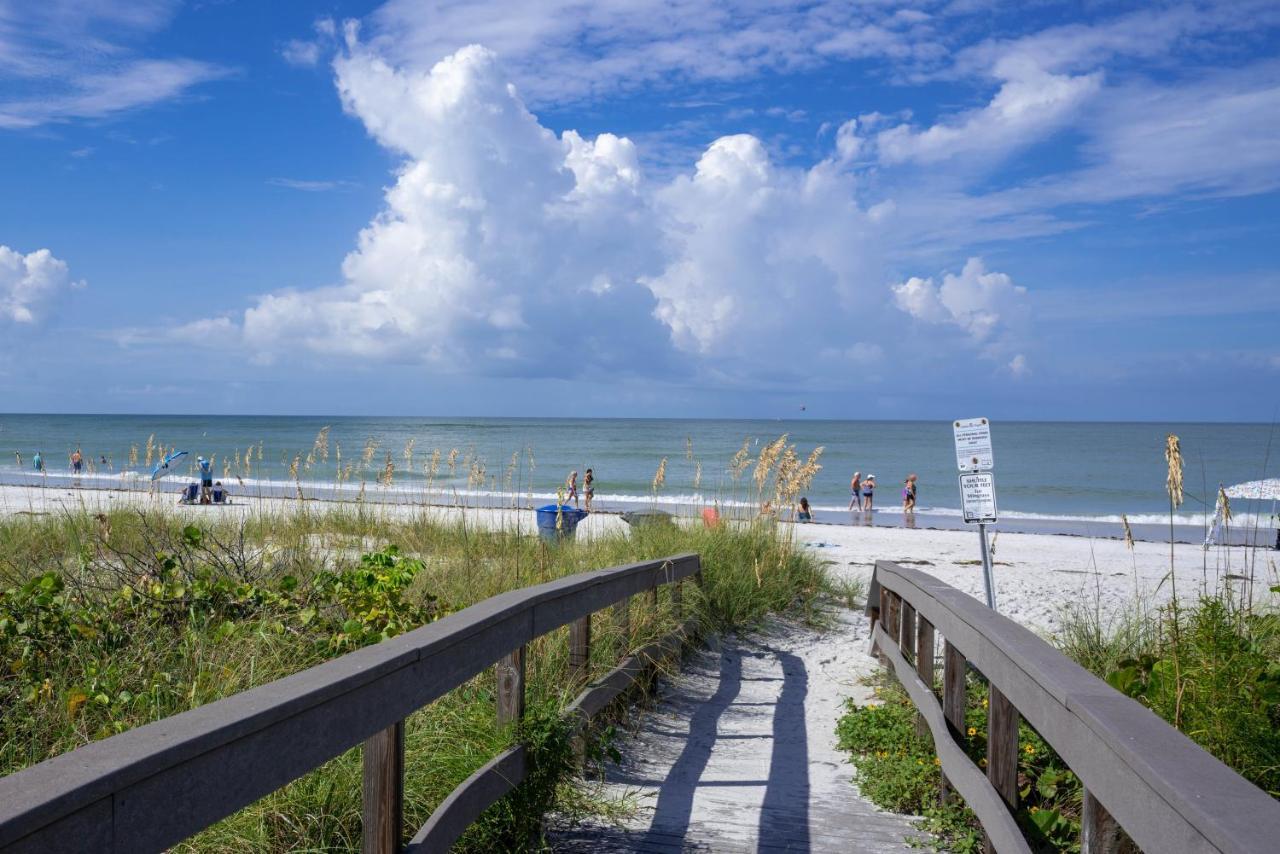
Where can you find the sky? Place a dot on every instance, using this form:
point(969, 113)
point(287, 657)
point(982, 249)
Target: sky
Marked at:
point(730, 208)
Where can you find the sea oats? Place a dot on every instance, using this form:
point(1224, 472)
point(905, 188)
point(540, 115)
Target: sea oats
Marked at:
point(1173, 482)
point(660, 476)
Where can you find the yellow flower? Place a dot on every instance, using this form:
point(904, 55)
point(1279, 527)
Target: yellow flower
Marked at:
point(1029, 750)
point(937, 760)
point(984, 702)
point(1035, 810)
point(919, 761)
point(982, 763)
point(973, 730)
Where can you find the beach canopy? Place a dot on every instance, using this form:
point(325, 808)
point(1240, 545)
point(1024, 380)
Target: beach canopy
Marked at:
point(162, 467)
point(1256, 490)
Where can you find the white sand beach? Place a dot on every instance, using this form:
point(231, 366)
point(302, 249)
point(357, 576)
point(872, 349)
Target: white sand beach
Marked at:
point(1037, 575)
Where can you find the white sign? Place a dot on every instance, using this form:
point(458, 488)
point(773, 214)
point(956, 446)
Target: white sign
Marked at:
point(973, 444)
point(978, 496)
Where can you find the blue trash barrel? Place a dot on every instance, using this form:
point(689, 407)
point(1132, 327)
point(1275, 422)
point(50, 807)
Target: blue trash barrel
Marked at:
point(569, 519)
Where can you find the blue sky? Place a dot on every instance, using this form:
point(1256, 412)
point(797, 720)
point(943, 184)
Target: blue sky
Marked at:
point(635, 207)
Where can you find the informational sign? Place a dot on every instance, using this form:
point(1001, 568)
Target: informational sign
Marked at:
point(973, 444)
point(978, 496)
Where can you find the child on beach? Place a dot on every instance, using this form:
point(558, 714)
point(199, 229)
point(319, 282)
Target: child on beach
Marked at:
point(571, 487)
point(805, 514)
point(868, 492)
point(855, 490)
point(589, 487)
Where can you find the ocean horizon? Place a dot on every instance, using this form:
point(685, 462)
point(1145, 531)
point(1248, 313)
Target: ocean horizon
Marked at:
point(1054, 476)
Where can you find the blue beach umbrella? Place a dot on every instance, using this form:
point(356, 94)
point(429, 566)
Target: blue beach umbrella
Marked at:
point(162, 467)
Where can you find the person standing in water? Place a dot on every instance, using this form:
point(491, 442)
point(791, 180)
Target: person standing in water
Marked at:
point(855, 491)
point(806, 512)
point(38, 462)
point(909, 494)
point(589, 487)
point(571, 488)
point(868, 492)
point(77, 461)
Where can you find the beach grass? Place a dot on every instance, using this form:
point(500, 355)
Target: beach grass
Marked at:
point(111, 620)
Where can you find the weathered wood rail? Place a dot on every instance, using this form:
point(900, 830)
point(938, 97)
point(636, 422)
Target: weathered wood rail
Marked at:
point(1141, 776)
point(153, 786)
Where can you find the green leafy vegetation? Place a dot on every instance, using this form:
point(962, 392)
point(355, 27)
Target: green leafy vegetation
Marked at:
point(897, 769)
point(110, 621)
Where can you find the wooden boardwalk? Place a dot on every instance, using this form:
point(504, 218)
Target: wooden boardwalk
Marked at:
point(739, 754)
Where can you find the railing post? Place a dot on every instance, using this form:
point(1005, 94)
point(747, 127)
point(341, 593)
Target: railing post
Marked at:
point(1099, 832)
point(383, 791)
point(924, 664)
point(953, 699)
point(580, 648)
point(881, 616)
point(622, 619)
point(677, 598)
point(510, 673)
point(1002, 748)
point(907, 630)
point(892, 615)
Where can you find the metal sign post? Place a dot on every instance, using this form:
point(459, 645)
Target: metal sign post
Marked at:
point(975, 460)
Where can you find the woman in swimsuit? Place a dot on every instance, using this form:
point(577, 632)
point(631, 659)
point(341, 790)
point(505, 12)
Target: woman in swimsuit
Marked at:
point(571, 486)
point(855, 490)
point(868, 492)
point(589, 487)
point(805, 514)
point(909, 494)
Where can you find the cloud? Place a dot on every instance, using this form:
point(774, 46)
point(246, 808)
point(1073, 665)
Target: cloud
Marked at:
point(304, 54)
point(30, 283)
point(1018, 366)
point(61, 61)
point(985, 304)
point(502, 247)
point(579, 49)
point(1030, 103)
point(311, 186)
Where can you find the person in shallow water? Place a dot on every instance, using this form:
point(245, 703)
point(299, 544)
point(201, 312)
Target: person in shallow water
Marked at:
point(589, 488)
point(909, 494)
point(805, 514)
point(38, 462)
point(868, 492)
point(855, 491)
point(571, 488)
point(77, 461)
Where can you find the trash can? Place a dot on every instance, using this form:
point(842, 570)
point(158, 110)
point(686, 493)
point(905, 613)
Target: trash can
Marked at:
point(569, 518)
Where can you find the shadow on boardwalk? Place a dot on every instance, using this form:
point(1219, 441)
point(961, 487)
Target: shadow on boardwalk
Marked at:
point(727, 762)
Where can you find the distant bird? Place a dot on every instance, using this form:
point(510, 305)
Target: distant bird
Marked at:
point(802, 407)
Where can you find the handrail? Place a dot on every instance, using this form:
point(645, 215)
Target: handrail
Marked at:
point(1139, 773)
point(157, 784)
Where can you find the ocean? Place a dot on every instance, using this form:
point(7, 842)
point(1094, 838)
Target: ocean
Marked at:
point(1075, 477)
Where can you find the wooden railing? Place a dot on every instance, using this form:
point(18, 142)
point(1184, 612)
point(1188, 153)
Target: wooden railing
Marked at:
point(1141, 777)
point(153, 786)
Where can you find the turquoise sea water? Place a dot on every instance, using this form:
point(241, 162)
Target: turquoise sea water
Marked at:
point(1071, 477)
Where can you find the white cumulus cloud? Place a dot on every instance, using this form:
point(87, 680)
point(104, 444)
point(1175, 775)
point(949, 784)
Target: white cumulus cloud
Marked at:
point(30, 283)
point(983, 303)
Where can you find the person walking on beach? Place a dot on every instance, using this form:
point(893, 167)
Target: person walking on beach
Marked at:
point(589, 487)
point(206, 479)
point(38, 462)
point(855, 491)
point(868, 492)
point(77, 461)
point(909, 494)
point(571, 488)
